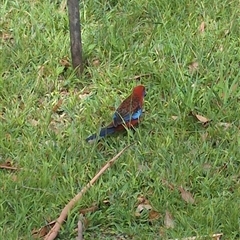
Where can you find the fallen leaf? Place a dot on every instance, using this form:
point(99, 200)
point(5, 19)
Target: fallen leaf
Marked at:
point(186, 196)
point(143, 204)
point(83, 96)
point(142, 207)
point(202, 119)
point(107, 202)
point(57, 105)
point(96, 62)
point(205, 121)
point(217, 236)
point(202, 27)
point(41, 232)
point(168, 220)
point(193, 67)
point(65, 62)
point(154, 215)
point(90, 209)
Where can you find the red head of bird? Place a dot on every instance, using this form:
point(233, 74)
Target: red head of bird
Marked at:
point(139, 92)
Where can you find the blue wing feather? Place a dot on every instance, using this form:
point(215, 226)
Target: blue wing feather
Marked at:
point(103, 132)
point(129, 117)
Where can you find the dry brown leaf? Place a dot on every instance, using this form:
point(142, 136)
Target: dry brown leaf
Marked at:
point(107, 202)
point(154, 215)
point(143, 204)
point(65, 62)
point(87, 210)
point(57, 105)
point(168, 220)
point(193, 67)
point(142, 207)
point(41, 232)
point(202, 27)
point(202, 119)
point(96, 62)
point(186, 196)
point(217, 236)
point(83, 96)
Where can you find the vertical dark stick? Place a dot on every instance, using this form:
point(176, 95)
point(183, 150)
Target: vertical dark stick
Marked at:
point(75, 35)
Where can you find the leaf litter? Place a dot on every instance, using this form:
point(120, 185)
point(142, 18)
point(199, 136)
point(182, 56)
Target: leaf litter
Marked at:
point(186, 195)
point(144, 204)
point(168, 220)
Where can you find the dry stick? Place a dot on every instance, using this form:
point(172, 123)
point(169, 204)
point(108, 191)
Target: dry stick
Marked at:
point(9, 168)
point(54, 231)
point(80, 228)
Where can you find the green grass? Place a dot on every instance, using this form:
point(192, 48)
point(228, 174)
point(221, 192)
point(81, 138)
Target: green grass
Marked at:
point(128, 38)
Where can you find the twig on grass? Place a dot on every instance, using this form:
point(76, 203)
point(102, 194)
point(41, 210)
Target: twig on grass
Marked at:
point(80, 228)
point(54, 231)
point(9, 167)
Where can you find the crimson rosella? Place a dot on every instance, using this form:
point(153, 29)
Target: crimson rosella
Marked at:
point(126, 116)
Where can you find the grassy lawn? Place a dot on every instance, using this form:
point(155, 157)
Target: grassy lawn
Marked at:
point(186, 53)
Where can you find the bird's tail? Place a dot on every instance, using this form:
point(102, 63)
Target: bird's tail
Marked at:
point(110, 129)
